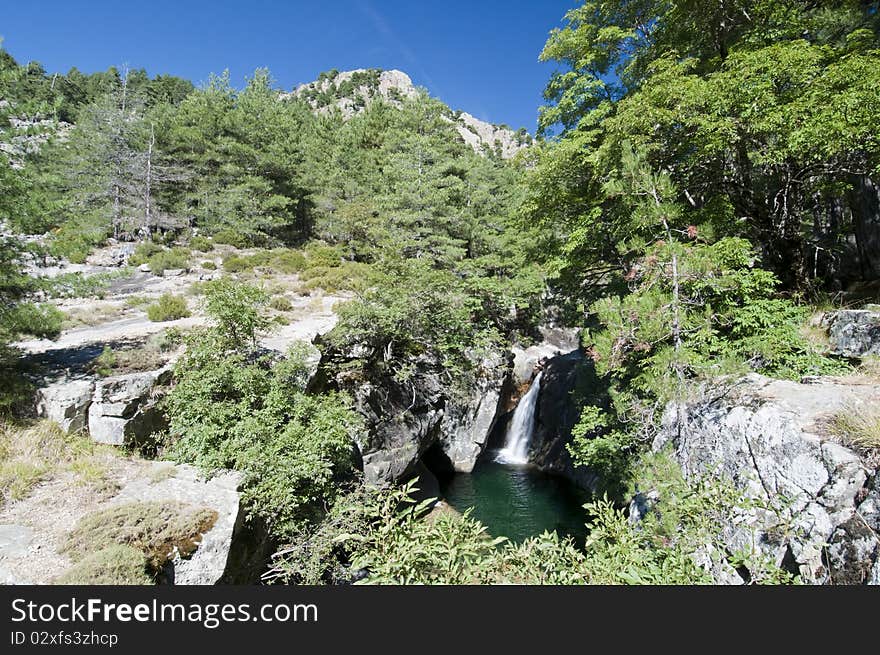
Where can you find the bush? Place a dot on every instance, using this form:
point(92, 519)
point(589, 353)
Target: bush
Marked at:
point(104, 363)
point(280, 303)
point(76, 239)
point(237, 264)
point(160, 530)
point(282, 261)
point(320, 254)
point(143, 252)
point(114, 565)
point(168, 308)
point(209, 265)
point(202, 244)
point(237, 309)
point(229, 411)
point(176, 258)
point(232, 238)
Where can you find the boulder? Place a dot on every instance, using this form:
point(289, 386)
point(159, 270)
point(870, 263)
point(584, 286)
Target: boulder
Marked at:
point(770, 438)
point(186, 484)
point(66, 402)
point(402, 419)
point(557, 341)
point(173, 272)
point(123, 409)
point(116, 254)
point(853, 332)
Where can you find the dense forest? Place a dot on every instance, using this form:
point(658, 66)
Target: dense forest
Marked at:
point(703, 181)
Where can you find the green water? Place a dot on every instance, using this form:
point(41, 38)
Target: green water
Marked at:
point(517, 502)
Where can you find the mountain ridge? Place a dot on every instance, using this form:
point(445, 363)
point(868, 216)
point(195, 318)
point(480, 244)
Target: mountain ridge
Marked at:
point(352, 91)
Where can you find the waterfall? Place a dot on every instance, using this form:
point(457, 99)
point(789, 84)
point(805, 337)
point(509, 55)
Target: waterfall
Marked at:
point(522, 425)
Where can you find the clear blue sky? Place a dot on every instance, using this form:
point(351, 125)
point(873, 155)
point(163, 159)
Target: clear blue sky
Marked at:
point(479, 56)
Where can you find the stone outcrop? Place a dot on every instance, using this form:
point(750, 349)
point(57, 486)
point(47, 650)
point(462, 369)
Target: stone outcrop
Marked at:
point(34, 530)
point(853, 332)
point(557, 341)
point(406, 418)
point(118, 410)
point(66, 402)
point(186, 484)
point(114, 254)
point(557, 412)
point(350, 92)
point(771, 438)
point(468, 421)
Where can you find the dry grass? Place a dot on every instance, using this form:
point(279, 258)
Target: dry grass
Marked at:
point(159, 530)
point(32, 452)
point(858, 426)
point(92, 315)
point(870, 368)
point(114, 565)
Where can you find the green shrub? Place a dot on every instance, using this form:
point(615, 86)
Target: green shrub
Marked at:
point(168, 308)
point(76, 239)
point(113, 565)
point(160, 530)
point(160, 259)
point(143, 252)
point(169, 259)
point(288, 261)
point(202, 244)
point(320, 254)
point(104, 363)
point(237, 309)
point(237, 264)
point(227, 411)
point(281, 260)
point(280, 303)
point(209, 265)
point(346, 276)
point(231, 238)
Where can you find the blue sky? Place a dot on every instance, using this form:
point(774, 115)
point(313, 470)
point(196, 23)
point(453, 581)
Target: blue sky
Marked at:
point(479, 56)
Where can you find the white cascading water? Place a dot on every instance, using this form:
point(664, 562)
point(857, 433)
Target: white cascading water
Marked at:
point(519, 433)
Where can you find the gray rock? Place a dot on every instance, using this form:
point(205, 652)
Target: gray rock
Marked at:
point(768, 437)
point(557, 341)
point(557, 412)
point(853, 332)
point(123, 409)
point(407, 418)
point(14, 540)
point(173, 272)
point(114, 255)
point(186, 484)
point(144, 268)
point(468, 422)
point(66, 402)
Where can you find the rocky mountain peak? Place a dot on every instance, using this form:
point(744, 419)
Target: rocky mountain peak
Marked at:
point(352, 91)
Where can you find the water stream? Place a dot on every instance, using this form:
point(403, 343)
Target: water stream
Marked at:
point(522, 425)
point(512, 498)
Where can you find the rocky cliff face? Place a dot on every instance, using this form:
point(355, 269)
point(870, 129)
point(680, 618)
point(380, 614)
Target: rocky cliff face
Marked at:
point(771, 438)
point(407, 418)
point(351, 92)
point(558, 412)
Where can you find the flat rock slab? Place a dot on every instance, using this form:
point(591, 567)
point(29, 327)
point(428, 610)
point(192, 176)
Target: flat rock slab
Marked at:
point(14, 540)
